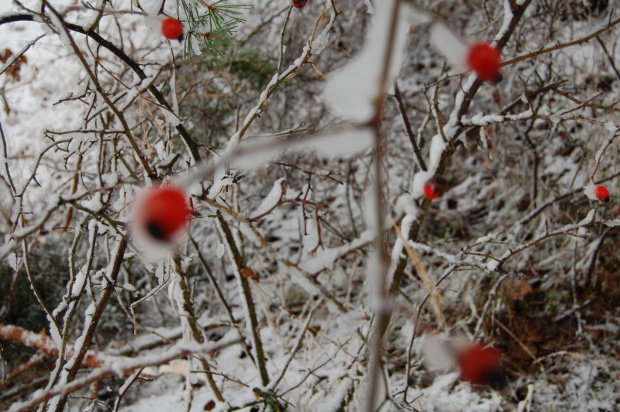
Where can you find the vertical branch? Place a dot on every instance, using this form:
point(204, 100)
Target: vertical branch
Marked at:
point(383, 316)
point(458, 112)
point(110, 280)
point(71, 296)
point(247, 295)
point(6, 157)
point(197, 334)
point(220, 295)
point(281, 59)
point(412, 138)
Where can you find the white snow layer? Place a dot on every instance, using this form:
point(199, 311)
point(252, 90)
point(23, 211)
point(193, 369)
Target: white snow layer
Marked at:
point(351, 92)
point(453, 47)
point(588, 190)
point(271, 200)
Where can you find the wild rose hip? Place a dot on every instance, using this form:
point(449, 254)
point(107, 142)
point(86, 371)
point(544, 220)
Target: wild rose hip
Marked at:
point(484, 60)
point(162, 212)
point(172, 29)
point(435, 187)
point(596, 192)
point(601, 193)
point(480, 364)
point(299, 3)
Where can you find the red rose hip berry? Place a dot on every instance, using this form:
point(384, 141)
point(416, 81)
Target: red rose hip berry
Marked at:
point(299, 3)
point(162, 212)
point(480, 364)
point(172, 29)
point(601, 193)
point(484, 60)
point(435, 187)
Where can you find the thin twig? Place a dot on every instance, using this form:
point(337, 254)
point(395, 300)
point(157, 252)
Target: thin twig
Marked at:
point(412, 138)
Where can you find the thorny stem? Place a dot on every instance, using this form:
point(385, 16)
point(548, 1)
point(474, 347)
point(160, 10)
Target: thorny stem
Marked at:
point(609, 57)
point(286, 20)
point(74, 298)
point(383, 317)
point(6, 156)
point(412, 138)
point(92, 326)
point(596, 284)
point(586, 104)
point(220, 295)
point(446, 156)
point(187, 311)
point(247, 295)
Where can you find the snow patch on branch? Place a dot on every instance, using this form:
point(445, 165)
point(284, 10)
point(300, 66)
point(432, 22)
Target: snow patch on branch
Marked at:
point(351, 92)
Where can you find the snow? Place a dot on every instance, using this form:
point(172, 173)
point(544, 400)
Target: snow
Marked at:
point(438, 145)
point(492, 265)
point(481, 120)
point(171, 118)
point(450, 45)
point(271, 200)
point(588, 219)
point(446, 394)
point(338, 143)
point(419, 181)
point(397, 250)
point(220, 250)
point(320, 42)
point(325, 258)
point(351, 92)
point(483, 138)
point(588, 190)
point(507, 19)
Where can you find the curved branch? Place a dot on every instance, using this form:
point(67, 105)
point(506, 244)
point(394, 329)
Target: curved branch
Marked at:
point(191, 144)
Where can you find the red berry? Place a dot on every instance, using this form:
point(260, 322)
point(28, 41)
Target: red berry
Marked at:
point(163, 212)
point(172, 29)
point(435, 187)
point(480, 364)
point(485, 61)
point(601, 193)
point(299, 3)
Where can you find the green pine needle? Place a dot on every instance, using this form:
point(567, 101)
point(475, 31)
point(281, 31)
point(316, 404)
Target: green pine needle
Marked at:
point(212, 25)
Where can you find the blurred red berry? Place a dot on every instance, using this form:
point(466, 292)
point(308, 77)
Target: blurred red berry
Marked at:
point(299, 3)
point(163, 212)
point(484, 60)
point(172, 29)
point(435, 187)
point(480, 364)
point(601, 193)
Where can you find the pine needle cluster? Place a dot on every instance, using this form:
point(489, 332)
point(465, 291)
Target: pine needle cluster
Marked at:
point(210, 26)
